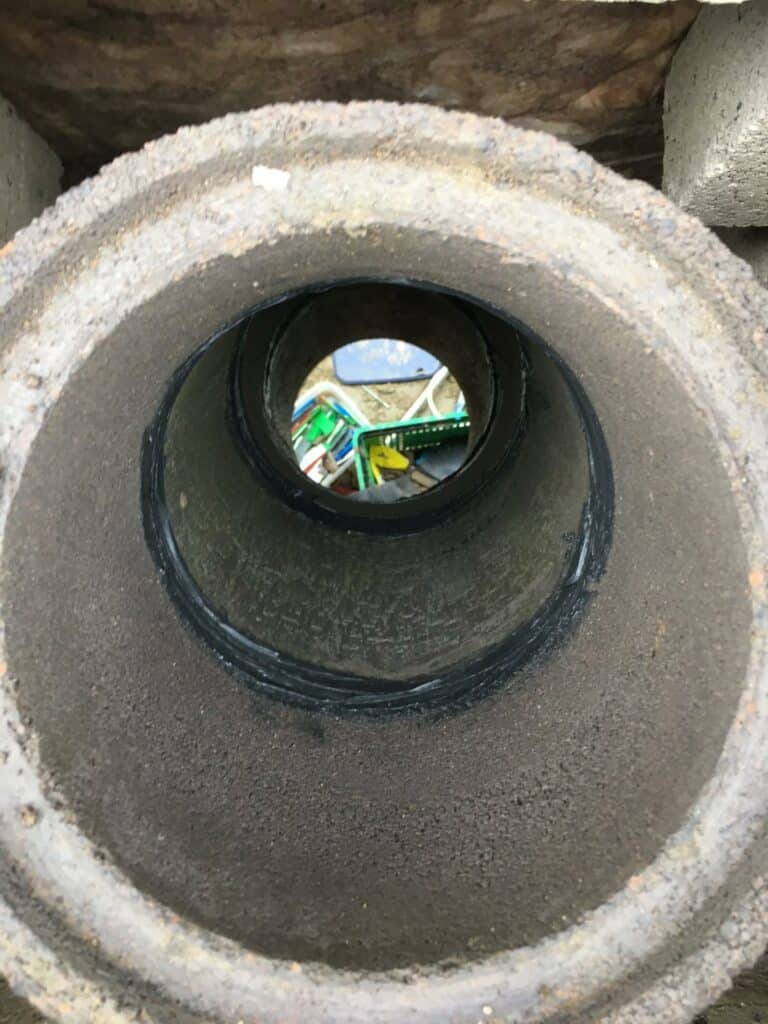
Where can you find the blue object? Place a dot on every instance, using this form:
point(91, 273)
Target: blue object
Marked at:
point(383, 361)
point(298, 413)
point(344, 413)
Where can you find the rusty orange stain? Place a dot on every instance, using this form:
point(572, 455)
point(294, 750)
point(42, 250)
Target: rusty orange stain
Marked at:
point(6, 249)
point(756, 578)
point(29, 815)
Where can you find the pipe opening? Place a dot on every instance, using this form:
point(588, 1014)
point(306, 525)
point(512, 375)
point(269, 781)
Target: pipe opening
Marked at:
point(608, 790)
point(415, 429)
point(320, 599)
point(389, 439)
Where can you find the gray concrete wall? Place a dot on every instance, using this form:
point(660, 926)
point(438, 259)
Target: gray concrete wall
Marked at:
point(30, 173)
point(716, 118)
point(752, 245)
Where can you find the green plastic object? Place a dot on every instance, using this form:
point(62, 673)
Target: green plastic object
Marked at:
point(405, 435)
point(321, 424)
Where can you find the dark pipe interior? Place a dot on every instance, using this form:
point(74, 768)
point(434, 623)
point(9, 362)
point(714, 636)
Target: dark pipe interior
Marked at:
point(376, 841)
point(532, 529)
point(281, 343)
point(325, 321)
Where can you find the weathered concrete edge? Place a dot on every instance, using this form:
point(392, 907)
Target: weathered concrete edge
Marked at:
point(30, 173)
point(750, 245)
point(716, 118)
point(624, 200)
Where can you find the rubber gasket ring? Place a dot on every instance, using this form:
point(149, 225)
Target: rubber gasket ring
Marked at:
point(278, 674)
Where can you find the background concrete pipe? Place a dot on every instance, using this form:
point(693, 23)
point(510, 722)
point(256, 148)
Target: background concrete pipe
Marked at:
point(498, 755)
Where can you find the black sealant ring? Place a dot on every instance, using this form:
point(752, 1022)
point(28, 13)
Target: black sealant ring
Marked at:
point(282, 676)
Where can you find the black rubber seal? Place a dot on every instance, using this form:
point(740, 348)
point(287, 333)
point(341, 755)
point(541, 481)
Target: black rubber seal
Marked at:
point(289, 679)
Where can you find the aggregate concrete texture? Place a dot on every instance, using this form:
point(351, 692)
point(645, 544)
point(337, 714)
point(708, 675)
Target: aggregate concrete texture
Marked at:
point(752, 245)
point(716, 118)
point(30, 173)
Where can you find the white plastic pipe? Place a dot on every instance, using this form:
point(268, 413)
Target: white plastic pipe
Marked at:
point(428, 395)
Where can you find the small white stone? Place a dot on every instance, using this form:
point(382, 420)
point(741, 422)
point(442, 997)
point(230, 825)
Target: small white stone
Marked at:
point(270, 178)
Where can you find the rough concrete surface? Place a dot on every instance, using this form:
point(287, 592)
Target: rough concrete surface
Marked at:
point(745, 1003)
point(96, 80)
point(30, 173)
point(653, 217)
point(752, 245)
point(716, 118)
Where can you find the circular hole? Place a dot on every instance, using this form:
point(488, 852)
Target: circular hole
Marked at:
point(380, 420)
point(426, 842)
point(244, 537)
point(364, 331)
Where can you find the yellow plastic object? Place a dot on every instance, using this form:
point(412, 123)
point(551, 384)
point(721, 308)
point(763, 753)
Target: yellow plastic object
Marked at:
point(382, 457)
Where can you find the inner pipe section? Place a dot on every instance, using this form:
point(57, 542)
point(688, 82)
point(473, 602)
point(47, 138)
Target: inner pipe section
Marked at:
point(604, 791)
point(366, 606)
point(389, 317)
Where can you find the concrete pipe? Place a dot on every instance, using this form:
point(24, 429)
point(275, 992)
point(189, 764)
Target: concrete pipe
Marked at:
point(496, 752)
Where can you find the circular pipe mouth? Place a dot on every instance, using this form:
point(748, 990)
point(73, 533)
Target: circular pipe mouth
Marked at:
point(513, 375)
point(544, 830)
point(266, 377)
